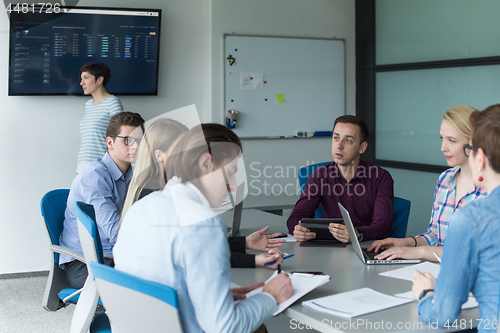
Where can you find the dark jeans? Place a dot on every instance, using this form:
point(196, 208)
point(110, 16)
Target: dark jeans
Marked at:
point(76, 272)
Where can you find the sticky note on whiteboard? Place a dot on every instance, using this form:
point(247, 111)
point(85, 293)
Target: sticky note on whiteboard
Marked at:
point(280, 98)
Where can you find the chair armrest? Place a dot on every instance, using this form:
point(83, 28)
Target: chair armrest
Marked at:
point(64, 250)
point(108, 256)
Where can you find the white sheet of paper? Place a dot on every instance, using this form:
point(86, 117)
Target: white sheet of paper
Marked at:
point(355, 303)
point(471, 302)
point(406, 273)
point(301, 286)
point(252, 81)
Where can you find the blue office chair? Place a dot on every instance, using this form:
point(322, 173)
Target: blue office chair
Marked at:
point(400, 206)
point(134, 304)
point(92, 251)
point(58, 293)
point(304, 173)
point(400, 215)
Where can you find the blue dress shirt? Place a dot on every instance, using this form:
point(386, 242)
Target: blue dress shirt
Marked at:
point(102, 185)
point(172, 238)
point(470, 263)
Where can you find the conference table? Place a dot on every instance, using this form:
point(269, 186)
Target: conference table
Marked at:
point(347, 273)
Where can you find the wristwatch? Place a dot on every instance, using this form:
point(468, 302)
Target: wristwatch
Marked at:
point(359, 236)
point(424, 292)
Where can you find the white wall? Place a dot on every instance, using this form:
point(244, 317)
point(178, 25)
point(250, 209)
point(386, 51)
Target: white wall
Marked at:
point(296, 18)
point(41, 134)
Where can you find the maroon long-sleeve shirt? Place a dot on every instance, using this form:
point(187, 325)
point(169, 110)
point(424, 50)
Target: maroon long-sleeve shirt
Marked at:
point(368, 197)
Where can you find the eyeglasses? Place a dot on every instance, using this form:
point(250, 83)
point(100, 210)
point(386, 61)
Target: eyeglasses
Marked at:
point(468, 148)
point(128, 140)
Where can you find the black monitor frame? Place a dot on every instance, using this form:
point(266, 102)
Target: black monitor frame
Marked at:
point(67, 10)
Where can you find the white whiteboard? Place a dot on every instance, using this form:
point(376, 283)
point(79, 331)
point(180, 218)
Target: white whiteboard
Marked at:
point(309, 72)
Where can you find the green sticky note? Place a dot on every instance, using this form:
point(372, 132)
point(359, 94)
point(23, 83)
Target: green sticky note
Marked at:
point(280, 98)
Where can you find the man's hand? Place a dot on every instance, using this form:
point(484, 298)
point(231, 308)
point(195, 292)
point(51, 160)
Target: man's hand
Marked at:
point(261, 242)
point(422, 282)
point(302, 234)
point(240, 293)
point(339, 231)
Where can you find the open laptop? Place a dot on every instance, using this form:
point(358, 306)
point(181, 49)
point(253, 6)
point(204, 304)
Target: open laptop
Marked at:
point(363, 254)
point(237, 203)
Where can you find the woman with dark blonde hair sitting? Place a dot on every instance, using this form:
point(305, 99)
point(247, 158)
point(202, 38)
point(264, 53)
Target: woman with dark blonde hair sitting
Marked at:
point(174, 237)
point(150, 175)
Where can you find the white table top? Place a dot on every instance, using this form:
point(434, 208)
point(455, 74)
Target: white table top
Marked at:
point(347, 273)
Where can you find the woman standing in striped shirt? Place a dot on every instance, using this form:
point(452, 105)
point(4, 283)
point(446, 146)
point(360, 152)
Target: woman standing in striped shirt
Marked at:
point(98, 111)
point(454, 189)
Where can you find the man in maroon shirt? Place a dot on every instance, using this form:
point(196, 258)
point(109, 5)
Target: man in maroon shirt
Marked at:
point(363, 188)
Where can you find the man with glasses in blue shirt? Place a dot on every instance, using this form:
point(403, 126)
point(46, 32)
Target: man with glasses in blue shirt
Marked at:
point(102, 183)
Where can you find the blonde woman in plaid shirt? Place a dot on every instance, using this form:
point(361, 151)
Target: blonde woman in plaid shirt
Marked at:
point(454, 190)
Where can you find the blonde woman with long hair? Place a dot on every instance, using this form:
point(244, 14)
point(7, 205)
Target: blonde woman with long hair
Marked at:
point(149, 172)
point(454, 190)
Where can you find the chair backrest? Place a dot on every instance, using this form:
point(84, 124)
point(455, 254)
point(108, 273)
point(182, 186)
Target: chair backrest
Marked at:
point(400, 215)
point(304, 173)
point(53, 205)
point(92, 251)
point(136, 305)
point(89, 234)
point(400, 206)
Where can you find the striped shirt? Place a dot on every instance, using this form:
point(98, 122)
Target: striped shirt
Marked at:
point(444, 206)
point(93, 129)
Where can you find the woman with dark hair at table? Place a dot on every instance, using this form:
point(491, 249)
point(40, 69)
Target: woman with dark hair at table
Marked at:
point(470, 255)
point(150, 175)
point(174, 237)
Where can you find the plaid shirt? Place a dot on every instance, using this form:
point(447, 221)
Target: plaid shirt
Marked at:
point(444, 206)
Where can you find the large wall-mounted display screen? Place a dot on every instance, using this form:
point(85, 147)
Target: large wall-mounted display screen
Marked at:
point(47, 49)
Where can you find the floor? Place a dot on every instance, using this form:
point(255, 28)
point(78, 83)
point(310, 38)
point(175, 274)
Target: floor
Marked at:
point(21, 308)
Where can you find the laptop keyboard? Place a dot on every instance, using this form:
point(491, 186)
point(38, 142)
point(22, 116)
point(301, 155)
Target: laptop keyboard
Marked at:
point(371, 255)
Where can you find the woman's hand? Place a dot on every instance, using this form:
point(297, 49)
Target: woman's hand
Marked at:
point(240, 293)
point(390, 242)
point(272, 255)
point(422, 282)
point(261, 242)
point(400, 252)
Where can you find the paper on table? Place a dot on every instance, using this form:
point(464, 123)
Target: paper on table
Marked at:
point(471, 302)
point(406, 273)
point(355, 303)
point(301, 286)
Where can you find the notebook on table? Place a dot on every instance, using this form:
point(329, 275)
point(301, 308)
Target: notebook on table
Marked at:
point(363, 254)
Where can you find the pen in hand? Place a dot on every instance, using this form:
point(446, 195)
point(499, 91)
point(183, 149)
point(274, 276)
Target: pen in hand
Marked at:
point(437, 256)
point(279, 268)
point(285, 257)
